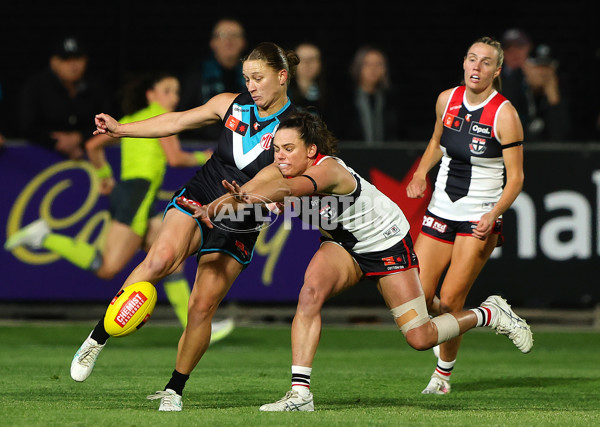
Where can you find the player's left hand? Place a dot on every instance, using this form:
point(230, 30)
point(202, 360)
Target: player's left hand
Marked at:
point(484, 226)
point(235, 190)
point(197, 210)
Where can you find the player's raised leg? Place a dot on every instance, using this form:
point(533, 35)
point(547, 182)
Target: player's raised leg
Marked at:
point(177, 239)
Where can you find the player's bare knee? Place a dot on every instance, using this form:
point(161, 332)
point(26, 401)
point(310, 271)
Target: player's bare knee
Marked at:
point(159, 263)
point(310, 297)
point(451, 303)
point(410, 318)
point(421, 338)
point(201, 309)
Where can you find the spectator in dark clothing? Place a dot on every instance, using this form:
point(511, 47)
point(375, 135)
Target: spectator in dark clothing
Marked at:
point(57, 105)
point(532, 85)
point(308, 90)
point(372, 114)
point(220, 71)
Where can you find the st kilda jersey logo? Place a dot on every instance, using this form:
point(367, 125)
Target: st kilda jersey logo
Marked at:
point(236, 125)
point(477, 145)
point(453, 122)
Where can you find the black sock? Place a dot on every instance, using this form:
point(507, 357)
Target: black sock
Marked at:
point(99, 333)
point(177, 382)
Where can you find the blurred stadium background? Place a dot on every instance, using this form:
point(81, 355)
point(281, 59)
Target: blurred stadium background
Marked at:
point(552, 234)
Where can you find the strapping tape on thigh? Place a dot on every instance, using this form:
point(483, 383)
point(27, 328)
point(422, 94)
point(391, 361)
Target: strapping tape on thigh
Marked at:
point(411, 314)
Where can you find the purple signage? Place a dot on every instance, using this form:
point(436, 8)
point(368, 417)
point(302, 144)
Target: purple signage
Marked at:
point(39, 183)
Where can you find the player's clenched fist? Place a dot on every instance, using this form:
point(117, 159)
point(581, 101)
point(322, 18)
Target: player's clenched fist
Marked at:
point(416, 188)
point(105, 124)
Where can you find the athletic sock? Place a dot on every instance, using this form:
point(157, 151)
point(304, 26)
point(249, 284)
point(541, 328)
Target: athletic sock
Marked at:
point(177, 382)
point(301, 380)
point(484, 316)
point(99, 334)
point(77, 252)
point(177, 290)
point(444, 369)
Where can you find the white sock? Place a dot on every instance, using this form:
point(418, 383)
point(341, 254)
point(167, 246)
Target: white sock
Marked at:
point(444, 369)
point(484, 316)
point(301, 379)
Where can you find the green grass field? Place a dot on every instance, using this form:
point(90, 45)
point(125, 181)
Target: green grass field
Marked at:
point(360, 377)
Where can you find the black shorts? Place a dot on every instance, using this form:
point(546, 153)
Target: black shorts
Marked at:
point(377, 264)
point(237, 244)
point(446, 230)
point(132, 202)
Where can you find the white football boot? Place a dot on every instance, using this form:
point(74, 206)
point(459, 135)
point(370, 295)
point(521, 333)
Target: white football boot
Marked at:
point(292, 401)
point(220, 329)
point(508, 323)
point(85, 359)
point(169, 400)
point(31, 236)
point(437, 385)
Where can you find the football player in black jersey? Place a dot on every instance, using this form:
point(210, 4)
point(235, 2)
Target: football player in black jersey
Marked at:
point(250, 120)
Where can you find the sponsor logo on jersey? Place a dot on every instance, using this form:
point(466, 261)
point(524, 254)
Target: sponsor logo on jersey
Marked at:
point(468, 117)
point(453, 122)
point(265, 141)
point(256, 126)
point(392, 263)
point(479, 129)
point(241, 247)
point(456, 107)
point(477, 145)
point(431, 222)
point(389, 260)
point(236, 125)
point(392, 231)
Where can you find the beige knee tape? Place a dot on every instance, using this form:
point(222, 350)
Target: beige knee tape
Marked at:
point(411, 314)
point(447, 327)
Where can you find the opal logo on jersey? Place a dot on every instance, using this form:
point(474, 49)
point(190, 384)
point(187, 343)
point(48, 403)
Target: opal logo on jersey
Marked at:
point(453, 122)
point(477, 145)
point(479, 129)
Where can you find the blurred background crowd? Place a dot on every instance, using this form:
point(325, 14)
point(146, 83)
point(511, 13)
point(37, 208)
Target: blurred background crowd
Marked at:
point(372, 72)
point(372, 69)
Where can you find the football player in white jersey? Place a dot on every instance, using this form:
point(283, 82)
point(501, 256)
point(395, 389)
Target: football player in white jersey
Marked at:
point(365, 235)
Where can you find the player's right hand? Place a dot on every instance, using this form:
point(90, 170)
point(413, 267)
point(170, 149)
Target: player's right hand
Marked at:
point(416, 188)
point(105, 124)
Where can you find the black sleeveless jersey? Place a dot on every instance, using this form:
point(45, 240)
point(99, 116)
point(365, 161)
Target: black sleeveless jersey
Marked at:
point(244, 148)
